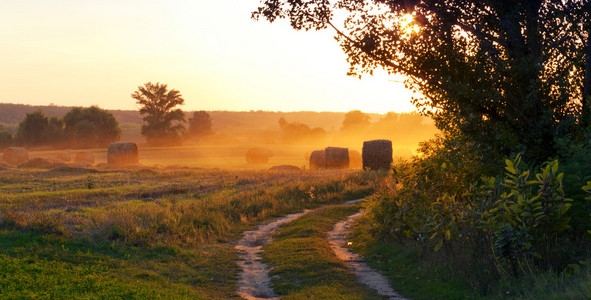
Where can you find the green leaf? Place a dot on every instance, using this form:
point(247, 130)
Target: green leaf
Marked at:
point(438, 246)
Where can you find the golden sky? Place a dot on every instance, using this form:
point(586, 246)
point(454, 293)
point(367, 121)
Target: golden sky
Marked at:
point(83, 52)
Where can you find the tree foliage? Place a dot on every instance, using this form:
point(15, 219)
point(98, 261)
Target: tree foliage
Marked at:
point(5, 139)
point(31, 130)
point(90, 127)
point(356, 120)
point(162, 120)
point(296, 132)
point(509, 75)
point(200, 124)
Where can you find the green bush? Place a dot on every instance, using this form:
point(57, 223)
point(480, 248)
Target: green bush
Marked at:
point(514, 224)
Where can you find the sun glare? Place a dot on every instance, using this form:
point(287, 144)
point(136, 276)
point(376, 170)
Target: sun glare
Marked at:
point(407, 24)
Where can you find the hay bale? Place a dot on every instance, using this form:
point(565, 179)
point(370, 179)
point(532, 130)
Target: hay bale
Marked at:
point(5, 165)
point(64, 156)
point(317, 160)
point(285, 168)
point(84, 156)
point(355, 159)
point(121, 154)
point(336, 158)
point(258, 155)
point(15, 155)
point(377, 154)
point(41, 163)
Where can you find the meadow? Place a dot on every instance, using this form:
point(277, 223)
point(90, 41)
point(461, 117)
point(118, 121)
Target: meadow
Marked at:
point(164, 232)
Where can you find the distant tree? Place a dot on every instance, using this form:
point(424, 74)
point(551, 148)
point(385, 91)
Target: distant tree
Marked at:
point(90, 127)
point(31, 130)
point(55, 133)
point(200, 124)
point(282, 122)
point(355, 120)
point(5, 139)
point(162, 121)
point(300, 133)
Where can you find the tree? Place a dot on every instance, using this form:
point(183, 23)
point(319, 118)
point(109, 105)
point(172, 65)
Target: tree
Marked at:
point(162, 121)
point(200, 124)
point(293, 133)
point(55, 133)
point(505, 75)
point(5, 139)
point(91, 127)
point(355, 120)
point(31, 130)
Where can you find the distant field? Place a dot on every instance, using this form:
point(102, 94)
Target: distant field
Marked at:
point(208, 156)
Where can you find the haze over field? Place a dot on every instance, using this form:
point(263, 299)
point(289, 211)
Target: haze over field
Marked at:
point(82, 53)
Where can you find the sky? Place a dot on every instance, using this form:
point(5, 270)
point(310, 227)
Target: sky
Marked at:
point(83, 52)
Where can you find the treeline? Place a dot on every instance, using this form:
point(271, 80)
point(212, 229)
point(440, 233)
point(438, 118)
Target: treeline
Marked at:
point(79, 128)
point(406, 129)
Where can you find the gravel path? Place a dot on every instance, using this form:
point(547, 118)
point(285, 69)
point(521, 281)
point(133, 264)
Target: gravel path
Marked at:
point(366, 275)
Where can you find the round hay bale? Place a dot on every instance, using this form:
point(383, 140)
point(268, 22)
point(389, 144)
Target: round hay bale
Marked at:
point(317, 160)
point(15, 155)
point(336, 158)
point(64, 156)
point(84, 156)
point(377, 154)
point(285, 168)
point(258, 155)
point(355, 159)
point(121, 154)
point(41, 163)
point(5, 165)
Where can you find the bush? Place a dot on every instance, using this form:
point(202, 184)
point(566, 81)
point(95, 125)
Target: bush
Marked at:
point(507, 225)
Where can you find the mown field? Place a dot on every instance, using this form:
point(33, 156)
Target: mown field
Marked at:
point(206, 156)
point(153, 232)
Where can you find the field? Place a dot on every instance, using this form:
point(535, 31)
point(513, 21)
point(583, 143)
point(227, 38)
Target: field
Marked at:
point(149, 232)
point(208, 156)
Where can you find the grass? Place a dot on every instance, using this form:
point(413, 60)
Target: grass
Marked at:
point(419, 275)
point(155, 233)
point(304, 265)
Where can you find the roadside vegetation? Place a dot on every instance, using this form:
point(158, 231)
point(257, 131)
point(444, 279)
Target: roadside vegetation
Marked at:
point(144, 233)
point(440, 231)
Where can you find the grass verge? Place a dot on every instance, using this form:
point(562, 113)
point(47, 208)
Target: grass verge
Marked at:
point(425, 276)
point(303, 264)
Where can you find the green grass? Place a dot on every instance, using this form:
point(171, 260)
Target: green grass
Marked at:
point(147, 233)
point(304, 266)
point(419, 275)
point(35, 266)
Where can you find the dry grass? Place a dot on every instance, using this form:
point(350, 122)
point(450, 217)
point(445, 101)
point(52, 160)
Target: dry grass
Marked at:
point(145, 207)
